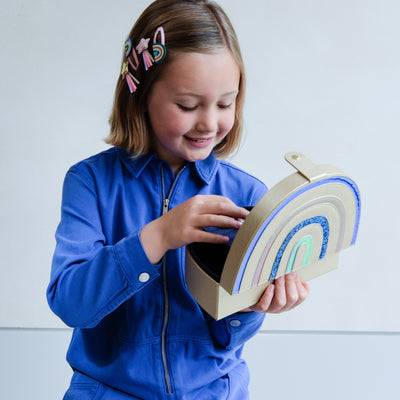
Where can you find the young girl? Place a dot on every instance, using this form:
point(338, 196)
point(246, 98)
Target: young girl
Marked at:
point(127, 213)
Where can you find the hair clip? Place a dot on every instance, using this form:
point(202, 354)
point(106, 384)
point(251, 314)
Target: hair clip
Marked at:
point(131, 81)
point(159, 53)
point(128, 46)
point(159, 49)
point(129, 53)
point(142, 49)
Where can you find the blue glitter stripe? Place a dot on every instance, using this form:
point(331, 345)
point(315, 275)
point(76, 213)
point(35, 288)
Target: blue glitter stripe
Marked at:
point(315, 220)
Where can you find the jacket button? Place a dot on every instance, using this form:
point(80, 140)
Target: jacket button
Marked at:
point(144, 277)
point(235, 323)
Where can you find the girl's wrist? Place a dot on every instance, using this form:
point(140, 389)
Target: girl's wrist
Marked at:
point(152, 241)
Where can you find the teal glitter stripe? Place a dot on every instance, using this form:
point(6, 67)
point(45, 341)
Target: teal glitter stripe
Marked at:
point(309, 242)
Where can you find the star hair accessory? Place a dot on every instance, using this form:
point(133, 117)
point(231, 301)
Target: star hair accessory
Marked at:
point(142, 48)
point(131, 60)
point(159, 49)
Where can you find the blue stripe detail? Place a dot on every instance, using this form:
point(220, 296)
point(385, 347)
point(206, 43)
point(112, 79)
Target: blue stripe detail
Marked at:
point(315, 220)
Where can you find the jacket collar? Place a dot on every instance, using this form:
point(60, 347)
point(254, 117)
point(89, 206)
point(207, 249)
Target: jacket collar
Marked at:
point(205, 169)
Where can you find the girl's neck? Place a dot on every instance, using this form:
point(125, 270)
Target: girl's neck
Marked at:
point(176, 163)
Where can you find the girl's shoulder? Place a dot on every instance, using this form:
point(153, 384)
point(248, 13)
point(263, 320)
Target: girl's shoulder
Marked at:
point(112, 161)
point(97, 161)
point(108, 165)
point(232, 171)
point(241, 183)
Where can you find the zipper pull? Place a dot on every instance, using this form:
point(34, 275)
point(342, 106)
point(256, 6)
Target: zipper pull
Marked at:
point(165, 206)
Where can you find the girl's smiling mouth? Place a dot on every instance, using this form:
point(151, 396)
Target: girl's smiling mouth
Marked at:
point(199, 142)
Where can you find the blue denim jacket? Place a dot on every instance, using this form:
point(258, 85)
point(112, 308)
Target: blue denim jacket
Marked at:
point(138, 333)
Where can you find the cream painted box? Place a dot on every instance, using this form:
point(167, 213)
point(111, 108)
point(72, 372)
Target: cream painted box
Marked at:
point(301, 224)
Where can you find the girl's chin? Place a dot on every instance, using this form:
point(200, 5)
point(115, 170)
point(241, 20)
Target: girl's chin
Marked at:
point(198, 155)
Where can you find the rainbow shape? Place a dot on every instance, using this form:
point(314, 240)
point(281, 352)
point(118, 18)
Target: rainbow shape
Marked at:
point(301, 224)
point(159, 52)
point(128, 47)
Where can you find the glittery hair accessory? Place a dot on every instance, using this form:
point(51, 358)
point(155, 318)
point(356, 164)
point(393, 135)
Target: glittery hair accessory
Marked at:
point(132, 61)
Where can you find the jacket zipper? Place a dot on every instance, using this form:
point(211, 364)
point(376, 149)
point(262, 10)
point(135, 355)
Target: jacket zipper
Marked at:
point(165, 208)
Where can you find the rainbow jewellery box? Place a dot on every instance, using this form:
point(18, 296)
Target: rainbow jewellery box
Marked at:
point(301, 224)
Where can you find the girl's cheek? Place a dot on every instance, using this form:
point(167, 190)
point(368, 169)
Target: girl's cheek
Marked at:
point(228, 124)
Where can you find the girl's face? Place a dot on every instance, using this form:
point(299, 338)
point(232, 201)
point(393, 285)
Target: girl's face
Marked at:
point(192, 106)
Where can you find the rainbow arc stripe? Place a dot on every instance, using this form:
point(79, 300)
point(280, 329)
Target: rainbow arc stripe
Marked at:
point(309, 242)
point(332, 199)
point(315, 220)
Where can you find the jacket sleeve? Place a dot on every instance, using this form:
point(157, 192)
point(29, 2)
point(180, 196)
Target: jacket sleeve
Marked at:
point(90, 278)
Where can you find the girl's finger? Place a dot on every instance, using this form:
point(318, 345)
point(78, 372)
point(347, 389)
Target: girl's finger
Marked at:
point(266, 299)
point(219, 221)
point(218, 205)
point(279, 300)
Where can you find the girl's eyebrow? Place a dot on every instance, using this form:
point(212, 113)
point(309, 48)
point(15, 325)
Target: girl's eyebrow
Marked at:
point(189, 94)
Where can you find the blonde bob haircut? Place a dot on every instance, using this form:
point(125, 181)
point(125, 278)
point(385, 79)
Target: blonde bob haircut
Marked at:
point(190, 26)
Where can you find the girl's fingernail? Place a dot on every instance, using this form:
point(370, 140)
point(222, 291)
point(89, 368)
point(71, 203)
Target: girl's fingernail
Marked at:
point(238, 223)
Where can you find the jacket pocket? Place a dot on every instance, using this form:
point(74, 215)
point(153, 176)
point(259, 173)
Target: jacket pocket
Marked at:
point(82, 388)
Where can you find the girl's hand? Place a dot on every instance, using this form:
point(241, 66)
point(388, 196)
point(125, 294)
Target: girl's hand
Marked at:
point(184, 224)
point(285, 294)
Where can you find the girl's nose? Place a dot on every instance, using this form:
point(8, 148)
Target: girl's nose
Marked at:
point(207, 121)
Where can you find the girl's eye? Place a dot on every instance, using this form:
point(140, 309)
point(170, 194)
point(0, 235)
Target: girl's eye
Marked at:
point(225, 106)
point(186, 109)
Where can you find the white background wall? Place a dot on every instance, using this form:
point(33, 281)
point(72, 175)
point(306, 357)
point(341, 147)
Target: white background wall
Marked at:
point(323, 79)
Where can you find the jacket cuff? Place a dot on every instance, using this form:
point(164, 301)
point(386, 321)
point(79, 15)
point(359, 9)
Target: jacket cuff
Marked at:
point(134, 263)
point(236, 329)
